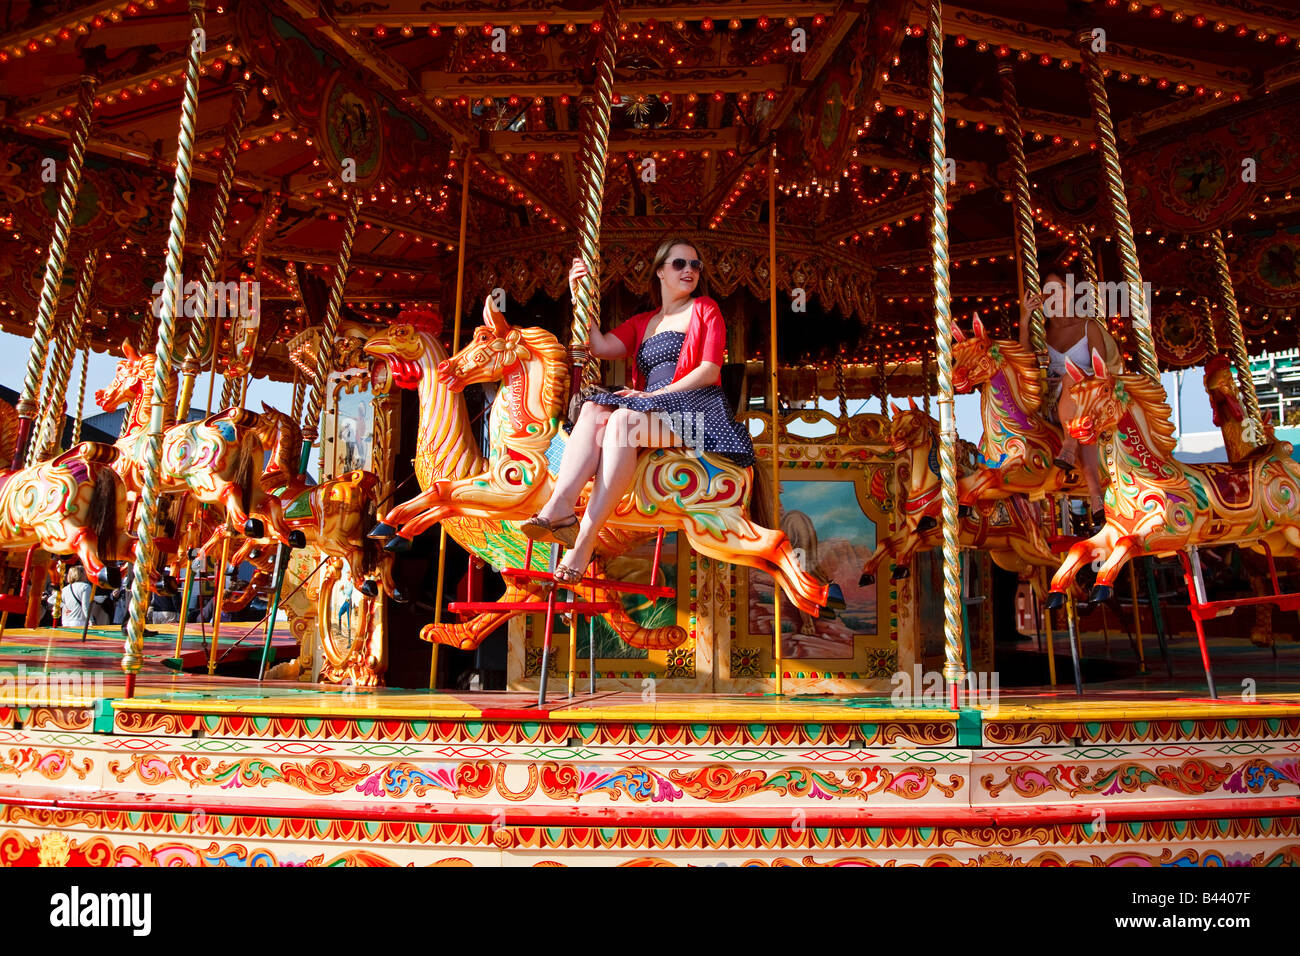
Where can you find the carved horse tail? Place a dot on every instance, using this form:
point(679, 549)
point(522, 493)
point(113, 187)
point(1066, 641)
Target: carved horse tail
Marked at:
point(245, 466)
point(8, 432)
point(104, 499)
point(760, 497)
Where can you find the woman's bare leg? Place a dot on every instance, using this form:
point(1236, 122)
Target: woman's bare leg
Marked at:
point(581, 458)
point(627, 434)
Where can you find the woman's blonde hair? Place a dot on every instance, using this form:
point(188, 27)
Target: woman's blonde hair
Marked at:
point(661, 257)
point(76, 574)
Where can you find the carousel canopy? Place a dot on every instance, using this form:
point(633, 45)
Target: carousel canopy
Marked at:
point(390, 99)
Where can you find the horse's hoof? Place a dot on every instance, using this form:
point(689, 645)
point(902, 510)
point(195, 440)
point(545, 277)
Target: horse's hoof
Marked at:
point(1102, 592)
point(928, 523)
point(825, 614)
point(835, 597)
point(398, 545)
point(382, 530)
point(109, 576)
point(369, 588)
point(255, 554)
point(254, 528)
point(965, 511)
point(297, 539)
point(167, 585)
point(866, 579)
point(900, 572)
point(1055, 600)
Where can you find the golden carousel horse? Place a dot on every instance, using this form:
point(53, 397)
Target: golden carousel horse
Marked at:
point(1018, 446)
point(1007, 529)
point(1157, 505)
point(701, 495)
point(215, 460)
point(72, 504)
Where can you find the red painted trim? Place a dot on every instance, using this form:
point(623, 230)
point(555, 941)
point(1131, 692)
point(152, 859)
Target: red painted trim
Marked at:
point(646, 816)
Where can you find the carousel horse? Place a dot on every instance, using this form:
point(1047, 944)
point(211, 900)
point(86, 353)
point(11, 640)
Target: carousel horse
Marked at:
point(215, 460)
point(1157, 505)
point(72, 504)
point(703, 496)
point(1230, 418)
point(1230, 415)
point(1021, 444)
point(1007, 528)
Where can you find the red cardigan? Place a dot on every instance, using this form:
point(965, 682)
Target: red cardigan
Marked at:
point(706, 339)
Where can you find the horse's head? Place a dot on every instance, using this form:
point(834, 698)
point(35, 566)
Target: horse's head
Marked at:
point(274, 425)
point(975, 360)
point(406, 349)
point(134, 374)
point(496, 347)
point(1225, 400)
point(911, 428)
point(1100, 400)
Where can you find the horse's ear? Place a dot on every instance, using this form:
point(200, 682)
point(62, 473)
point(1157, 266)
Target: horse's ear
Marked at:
point(978, 328)
point(1098, 365)
point(1076, 373)
point(897, 411)
point(957, 334)
point(128, 350)
point(494, 319)
point(911, 402)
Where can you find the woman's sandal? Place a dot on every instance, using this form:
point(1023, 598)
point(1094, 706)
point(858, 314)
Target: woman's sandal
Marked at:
point(564, 574)
point(564, 531)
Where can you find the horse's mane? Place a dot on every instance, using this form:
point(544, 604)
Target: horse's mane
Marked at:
point(1028, 375)
point(1155, 410)
point(548, 348)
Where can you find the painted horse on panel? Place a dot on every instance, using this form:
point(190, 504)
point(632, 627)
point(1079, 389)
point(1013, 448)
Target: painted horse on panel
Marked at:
point(1158, 505)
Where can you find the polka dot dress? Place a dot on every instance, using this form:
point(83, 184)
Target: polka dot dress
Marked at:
point(701, 417)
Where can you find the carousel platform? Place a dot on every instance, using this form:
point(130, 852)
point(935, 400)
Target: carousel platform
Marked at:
point(226, 771)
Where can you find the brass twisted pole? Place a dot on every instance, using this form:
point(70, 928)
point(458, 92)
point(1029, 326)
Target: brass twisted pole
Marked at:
point(163, 354)
point(1089, 266)
point(325, 349)
point(29, 398)
point(201, 330)
point(1128, 258)
point(1027, 277)
point(81, 394)
point(455, 347)
point(50, 430)
point(953, 667)
point(1228, 298)
point(594, 110)
point(778, 650)
point(1207, 310)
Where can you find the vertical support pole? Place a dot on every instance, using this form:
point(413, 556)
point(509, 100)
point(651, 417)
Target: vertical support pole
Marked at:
point(1114, 180)
point(1071, 610)
point(81, 393)
point(1137, 617)
point(953, 667)
point(1207, 312)
point(217, 599)
point(186, 591)
point(1228, 299)
point(594, 111)
point(49, 432)
point(1022, 219)
point(29, 397)
point(202, 329)
point(455, 347)
point(778, 656)
point(1196, 592)
point(149, 496)
point(1051, 644)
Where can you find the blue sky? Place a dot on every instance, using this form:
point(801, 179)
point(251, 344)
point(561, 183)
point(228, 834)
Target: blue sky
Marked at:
point(13, 366)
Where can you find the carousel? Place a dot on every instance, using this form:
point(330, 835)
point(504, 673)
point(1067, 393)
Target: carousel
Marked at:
point(882, 643)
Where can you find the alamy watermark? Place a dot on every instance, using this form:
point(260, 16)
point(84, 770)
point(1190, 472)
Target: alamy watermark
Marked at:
point(928, 688)
point(1087, 300)
point(222, 299)
point(49, 687)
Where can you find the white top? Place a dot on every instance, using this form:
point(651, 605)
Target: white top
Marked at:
point(1078, 353)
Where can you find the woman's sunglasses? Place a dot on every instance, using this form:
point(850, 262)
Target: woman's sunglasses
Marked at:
point(680, 264)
